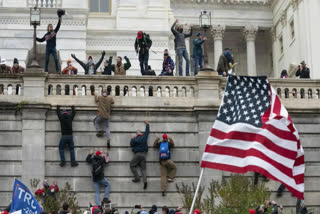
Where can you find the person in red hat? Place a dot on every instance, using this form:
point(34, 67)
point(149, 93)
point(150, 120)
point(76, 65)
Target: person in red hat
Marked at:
point(142, 46)
point(252, 211)
point(90, 67)
point(196, 211)
point(99, 160)
point(165, 163)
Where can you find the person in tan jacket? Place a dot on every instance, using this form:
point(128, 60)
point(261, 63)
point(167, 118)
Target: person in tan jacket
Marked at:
point(101, 121)
point(165, 163)
point(121, 68)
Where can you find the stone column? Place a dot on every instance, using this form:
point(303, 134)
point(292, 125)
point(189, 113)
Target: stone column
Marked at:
point(33, 142)
point(250, 35)
point(217, 34)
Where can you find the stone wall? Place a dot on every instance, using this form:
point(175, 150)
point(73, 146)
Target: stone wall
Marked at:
point(30, 132)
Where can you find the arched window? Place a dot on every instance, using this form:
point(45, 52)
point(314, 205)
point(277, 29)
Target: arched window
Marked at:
point(109, 89)
point(75, 90)
point(117, 90)
point(100, 90)
point(50, 90)
point(279, 92)
point(83, 90)
point(167, 91)
point(159, 92)
point(184, 92)
point(18, 89)
point(1, 89)
point(286, 93)
point(10, 92)
point(175, 92)
point(302, 94)
point(134, 91)
point(142, 91)
point(126, 91)
point(310, 93)
point(294, 93)
point(92, 90)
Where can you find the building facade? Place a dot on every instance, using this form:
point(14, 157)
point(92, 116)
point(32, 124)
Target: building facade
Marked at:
point(266, 36)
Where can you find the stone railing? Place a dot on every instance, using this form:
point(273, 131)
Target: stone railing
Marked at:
point(204, 91)
point(45, 3)
point(132, 86)
point(11, 85)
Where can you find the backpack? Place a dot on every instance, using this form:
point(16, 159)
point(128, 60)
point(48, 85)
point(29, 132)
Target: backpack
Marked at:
point(97, 168)
point(164, 152)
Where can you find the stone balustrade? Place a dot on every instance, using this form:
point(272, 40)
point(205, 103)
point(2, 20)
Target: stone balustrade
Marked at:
point(291, 91)
point(45, 3)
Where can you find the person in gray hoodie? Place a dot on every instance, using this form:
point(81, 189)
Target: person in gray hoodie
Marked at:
point(180, 46)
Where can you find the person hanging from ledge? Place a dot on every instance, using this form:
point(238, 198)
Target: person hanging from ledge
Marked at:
point(69, 69)
point(121, 68)
point(99, 160)
point(4, 68)
point(167, 65)
point(142, 46)
point(101, 121)
point(66, 119)
point(165, 163)
point(50, 38)
point(107, 70)
point(139, 146)
point(90, 67)
point(16, 68)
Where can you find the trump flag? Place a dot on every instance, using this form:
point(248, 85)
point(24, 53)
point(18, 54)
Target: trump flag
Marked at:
point(23, 200)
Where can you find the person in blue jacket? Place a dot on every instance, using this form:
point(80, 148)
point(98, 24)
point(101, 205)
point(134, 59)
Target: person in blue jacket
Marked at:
point(139, 146)
point(197, 52)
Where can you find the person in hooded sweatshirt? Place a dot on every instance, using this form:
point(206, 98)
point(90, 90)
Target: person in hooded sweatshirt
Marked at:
point(50, 38)
point(66, 119)
point(90, 68)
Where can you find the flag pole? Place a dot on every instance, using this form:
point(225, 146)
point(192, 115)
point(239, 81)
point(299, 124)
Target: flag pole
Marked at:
point(197, 190)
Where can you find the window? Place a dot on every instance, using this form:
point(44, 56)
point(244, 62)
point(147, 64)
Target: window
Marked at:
point(100, 6)
point(292, 29)
point(281, 44)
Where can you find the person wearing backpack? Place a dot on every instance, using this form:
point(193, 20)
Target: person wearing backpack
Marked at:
point(139, 146)
point(142, 46)
point(98, 161)
point(165, 163)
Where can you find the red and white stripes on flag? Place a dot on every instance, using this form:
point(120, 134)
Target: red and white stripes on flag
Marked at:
point(274, 149)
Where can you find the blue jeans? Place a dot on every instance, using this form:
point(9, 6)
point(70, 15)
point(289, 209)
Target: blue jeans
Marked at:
point(66, 140)
point(52, 51)
point(198, 60)
point(182, 52)
point(100, 123)
point(97, 184)
point(166, 73)
point(143, 59)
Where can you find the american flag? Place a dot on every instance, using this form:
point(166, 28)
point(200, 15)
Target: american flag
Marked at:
point(254, 132)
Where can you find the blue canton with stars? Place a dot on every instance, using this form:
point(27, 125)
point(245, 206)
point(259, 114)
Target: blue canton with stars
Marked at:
point(245, 100)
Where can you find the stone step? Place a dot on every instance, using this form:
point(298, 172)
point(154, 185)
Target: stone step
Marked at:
point(122, 154)
point(122, 139)
point(128, 126)
point(117, 169)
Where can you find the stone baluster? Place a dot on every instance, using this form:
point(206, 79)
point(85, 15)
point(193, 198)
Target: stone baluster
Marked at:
point(250, 33)
point(217, 32)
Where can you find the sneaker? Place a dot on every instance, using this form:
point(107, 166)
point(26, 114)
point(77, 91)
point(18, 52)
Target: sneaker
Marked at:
point(74, 164)
point(99, 134)
point(145, 185)
point(170, 179)
point(163, 194)
point(108, 144)
point(106, 201)
point(62, 163)
point(135, 180)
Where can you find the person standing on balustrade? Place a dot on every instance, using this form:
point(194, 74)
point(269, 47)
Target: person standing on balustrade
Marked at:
point(180, 45)
point(90, 67)
point(142, 46)
point(69, 70)
point(50, 38)
point(121, 68)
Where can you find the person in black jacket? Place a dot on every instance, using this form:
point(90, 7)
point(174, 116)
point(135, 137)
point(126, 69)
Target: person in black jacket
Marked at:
point(142, 46)
point(303, 72)
point(50, 38)
point(89, 67)
point(107, 67)
point(66, 130)
point(98, 161)
point(140, 148)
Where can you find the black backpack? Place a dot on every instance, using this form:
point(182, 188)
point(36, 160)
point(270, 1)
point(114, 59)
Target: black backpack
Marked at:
point(97, 167)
